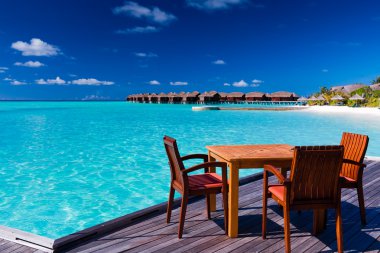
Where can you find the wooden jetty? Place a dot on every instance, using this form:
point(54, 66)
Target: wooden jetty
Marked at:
point(150, 233)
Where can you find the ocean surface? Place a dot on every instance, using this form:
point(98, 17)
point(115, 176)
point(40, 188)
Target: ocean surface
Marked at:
point(66, 166)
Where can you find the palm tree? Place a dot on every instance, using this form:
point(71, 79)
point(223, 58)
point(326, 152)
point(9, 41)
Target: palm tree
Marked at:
point(377, 80)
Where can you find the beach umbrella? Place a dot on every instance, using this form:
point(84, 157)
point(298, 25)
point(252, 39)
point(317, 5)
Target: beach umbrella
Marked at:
point(356, 97)
point(337, 97)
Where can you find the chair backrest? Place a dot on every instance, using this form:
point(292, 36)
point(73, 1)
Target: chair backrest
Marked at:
point(175, 162)
point(315, 174)
point(355, 147)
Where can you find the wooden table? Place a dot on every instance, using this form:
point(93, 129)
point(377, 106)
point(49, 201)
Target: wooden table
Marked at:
point(253, 156)
point(246, 156)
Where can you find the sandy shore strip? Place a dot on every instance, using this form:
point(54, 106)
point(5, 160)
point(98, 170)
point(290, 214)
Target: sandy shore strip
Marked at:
point(345, 109)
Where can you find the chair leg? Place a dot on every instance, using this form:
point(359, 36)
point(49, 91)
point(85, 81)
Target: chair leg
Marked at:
point(361, 204)
point(287, 228)
point(264, 215)
point(225, 207)
point(208, 206)
point(339, 230)
point(170, 205)
point(182, 215)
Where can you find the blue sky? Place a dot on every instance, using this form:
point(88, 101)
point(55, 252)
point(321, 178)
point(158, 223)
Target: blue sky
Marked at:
point(92, 49)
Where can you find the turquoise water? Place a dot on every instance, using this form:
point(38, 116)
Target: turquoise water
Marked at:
point(66, 166)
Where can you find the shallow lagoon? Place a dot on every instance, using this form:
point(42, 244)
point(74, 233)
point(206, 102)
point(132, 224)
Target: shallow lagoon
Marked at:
point(66, 166)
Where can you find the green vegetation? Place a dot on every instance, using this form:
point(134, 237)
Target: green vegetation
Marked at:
point(377, 80)
point(371, 97)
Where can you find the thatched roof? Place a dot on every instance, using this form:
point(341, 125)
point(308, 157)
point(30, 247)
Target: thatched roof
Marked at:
point(283, 94)
point(254, 94)
point(208, 94)
point(302, 99)
point(375, 86)
point(190, 94)
point(347, 89)
point(356, 97)
point(321, 98)
point(162, 95)
point(235, 95)
point(337, 97)
point(223, 94)
point(312, 98)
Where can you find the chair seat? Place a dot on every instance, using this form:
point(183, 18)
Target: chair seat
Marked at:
point(347, 182)
point(205, 181)
point(277, 190)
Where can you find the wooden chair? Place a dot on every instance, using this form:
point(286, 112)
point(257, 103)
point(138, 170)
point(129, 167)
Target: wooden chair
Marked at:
point(313, 184)
point(355, 147)
point(189, 185)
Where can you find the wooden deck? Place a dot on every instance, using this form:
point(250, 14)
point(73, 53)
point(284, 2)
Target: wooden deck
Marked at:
point(201, 235)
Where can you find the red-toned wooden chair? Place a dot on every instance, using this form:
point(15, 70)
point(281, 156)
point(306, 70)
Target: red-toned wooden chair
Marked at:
point(189, 185)
point(313, 184)
point(355, 147)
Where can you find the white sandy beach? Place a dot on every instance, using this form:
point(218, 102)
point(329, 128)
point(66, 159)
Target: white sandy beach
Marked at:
point(345, 109)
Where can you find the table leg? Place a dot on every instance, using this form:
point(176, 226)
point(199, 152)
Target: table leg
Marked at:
point(319, 220)
point(233, 201)
point(212, 196)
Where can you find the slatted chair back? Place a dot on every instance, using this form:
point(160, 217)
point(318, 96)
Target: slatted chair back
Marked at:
point(175, 162)
point(355, 147)
point(315, 174)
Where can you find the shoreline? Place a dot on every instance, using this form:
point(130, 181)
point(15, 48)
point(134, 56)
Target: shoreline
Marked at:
point(345, 109)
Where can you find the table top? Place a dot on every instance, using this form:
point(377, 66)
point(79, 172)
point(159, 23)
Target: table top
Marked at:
point(233, 153)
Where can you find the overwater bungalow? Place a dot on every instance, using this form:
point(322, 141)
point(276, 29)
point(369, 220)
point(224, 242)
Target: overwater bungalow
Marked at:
point(153, 98)
point(223, 97)
point(146, 97)
point(283, 96)
point(209, 97)
point(140, 98)
point(190, 97)
point(255, 96)
point(163, 98)
point(175, 98)
point(236, 97)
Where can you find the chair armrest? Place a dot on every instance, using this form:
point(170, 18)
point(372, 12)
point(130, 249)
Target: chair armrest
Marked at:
point(275, 172)
point(195, 156)
point(362, 165)
point(205, 166)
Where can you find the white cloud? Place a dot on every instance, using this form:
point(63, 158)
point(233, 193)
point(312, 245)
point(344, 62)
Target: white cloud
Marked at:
point(30, 64)
point(256, 82)
point(3, 69)
point(179, 83)
point(154, 14)
point(214, 4)
point(94, 97)
point(146, 55)
point(90, 81)
point(15, 82)
point(139, 29)
point(154, 82)
point(325, 70)
point(226, 84)
point(57, 81)
point(36, 47)
point(239, 84)
point(219, 62)
point(7, 79)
